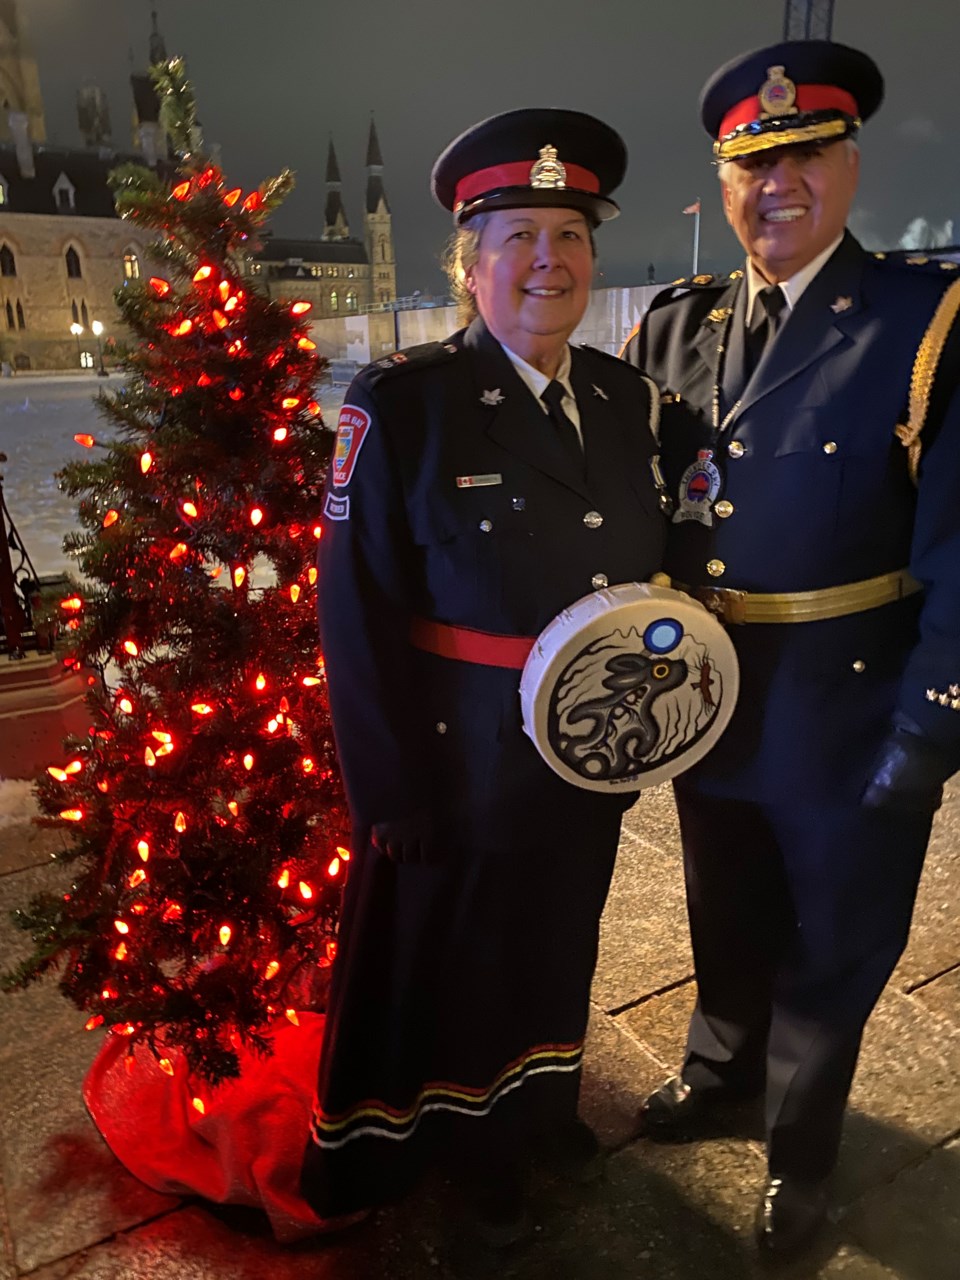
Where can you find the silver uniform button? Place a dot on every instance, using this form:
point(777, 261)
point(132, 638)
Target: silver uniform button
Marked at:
point(715, 568)
point(593, 519)
point(830, 446)
point(723, 508)
point(859, 666)
point(441, 727)
point(599, 580)
point(736, 449)
point(486, 526)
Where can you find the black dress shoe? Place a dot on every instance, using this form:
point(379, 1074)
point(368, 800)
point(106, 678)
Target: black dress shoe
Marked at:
point(677, 1112)
point(789, 1215)
point(496, 1203)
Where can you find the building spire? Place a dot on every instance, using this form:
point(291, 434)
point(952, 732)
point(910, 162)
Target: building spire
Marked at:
point(376, 195)
point(374, 158)
point(333, 169)
point(158, 49)
point(335, 226)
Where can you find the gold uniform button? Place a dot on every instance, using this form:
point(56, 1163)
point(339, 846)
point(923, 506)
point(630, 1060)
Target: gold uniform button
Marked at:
point(715, 568)
point(830, 446)
point(441, 727)
point(723, 508)
point(599, 580)
point(859, 666)
point(736, 449)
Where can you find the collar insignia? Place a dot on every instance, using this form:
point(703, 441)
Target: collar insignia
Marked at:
point(841, 303)
point(719, 314)
point(599, 391)
point(492, 398)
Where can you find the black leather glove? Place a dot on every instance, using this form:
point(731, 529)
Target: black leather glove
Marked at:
point(908, 775)
point(410, 841)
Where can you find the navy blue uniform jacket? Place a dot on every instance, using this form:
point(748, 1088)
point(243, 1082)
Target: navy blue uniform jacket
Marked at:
point(821, 496)
point(407, 535)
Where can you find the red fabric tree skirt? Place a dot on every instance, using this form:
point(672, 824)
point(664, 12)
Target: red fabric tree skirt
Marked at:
point(245, 1149)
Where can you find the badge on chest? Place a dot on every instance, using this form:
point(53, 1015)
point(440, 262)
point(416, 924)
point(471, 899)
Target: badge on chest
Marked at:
point(699, 486)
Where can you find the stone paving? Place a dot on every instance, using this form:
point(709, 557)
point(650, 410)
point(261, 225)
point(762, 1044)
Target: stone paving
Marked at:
point(69, 1209)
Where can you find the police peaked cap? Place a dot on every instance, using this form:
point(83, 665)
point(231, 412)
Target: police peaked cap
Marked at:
point(532, 157)
point(794, 92)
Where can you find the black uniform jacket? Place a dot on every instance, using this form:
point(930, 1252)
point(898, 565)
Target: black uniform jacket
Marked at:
point(462, 507)
point(819, 495)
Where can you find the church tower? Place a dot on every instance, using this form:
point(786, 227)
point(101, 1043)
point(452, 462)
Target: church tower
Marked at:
point(378, 226)
point(19, 78)
point(335, 225)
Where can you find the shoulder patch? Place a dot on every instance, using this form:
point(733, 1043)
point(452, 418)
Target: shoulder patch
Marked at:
point(419, 357)
point(352, 430)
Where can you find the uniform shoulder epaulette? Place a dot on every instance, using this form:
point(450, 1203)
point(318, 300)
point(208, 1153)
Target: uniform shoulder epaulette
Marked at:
point(688, 286)
point(929, 265)
point(419, 357)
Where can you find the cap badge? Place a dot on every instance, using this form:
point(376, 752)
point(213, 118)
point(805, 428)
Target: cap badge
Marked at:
point(548, 171)
point(777, 94)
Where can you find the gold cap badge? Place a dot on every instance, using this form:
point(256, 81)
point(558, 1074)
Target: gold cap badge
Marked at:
point(548, 171)
point(777, 94)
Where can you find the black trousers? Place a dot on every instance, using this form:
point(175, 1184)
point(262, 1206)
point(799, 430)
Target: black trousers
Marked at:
point(798, 915)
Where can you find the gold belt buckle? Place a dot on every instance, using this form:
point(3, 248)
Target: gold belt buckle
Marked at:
point(725, 603)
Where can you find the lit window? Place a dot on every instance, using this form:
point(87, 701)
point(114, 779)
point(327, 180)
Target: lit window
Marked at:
point(131, 266)
point(86, 359)
point(352, 300)
point(334, 301)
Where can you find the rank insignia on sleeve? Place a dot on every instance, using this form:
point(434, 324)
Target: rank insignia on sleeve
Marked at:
point(699, 486)
point(352, 429)
point(337, 506)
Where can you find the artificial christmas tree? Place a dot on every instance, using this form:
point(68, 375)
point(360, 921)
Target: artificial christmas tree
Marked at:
point(208, 820)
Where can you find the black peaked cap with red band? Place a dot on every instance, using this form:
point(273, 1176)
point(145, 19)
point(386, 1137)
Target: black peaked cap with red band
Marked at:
point(532, 157)
point(800, 91)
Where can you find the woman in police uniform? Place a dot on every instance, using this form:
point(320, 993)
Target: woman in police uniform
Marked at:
point(479, 486)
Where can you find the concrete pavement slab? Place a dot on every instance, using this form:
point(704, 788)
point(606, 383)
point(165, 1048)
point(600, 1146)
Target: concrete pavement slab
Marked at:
point(935, 935)
point(618, 1072)
point(912, 1224)
point(942, 997)
point(24, 844)
point(644, 938)
point(660, 1024)
point(39, 1012)
point(64, 1189)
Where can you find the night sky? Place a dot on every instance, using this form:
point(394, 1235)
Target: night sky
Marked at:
point(273, 80)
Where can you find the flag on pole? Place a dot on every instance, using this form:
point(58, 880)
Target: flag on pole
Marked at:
point(693, 208)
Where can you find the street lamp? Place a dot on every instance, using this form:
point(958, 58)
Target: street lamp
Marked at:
point(76, 329)
point(97, 328)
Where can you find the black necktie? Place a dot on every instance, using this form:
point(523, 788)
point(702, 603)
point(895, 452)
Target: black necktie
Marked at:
point(569, 436)
point(767, 319)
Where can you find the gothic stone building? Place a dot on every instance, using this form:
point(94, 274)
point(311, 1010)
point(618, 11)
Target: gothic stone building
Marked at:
point(64, 251)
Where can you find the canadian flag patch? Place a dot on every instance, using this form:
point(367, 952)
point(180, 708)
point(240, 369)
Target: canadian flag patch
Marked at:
point(352, 428)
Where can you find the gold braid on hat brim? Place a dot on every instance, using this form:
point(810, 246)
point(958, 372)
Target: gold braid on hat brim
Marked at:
point(763, 137)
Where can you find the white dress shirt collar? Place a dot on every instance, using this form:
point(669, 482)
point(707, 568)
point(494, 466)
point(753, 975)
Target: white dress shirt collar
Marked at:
point(792, 288)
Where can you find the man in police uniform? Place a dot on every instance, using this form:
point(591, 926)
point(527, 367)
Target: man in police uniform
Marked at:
point(833, 551)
